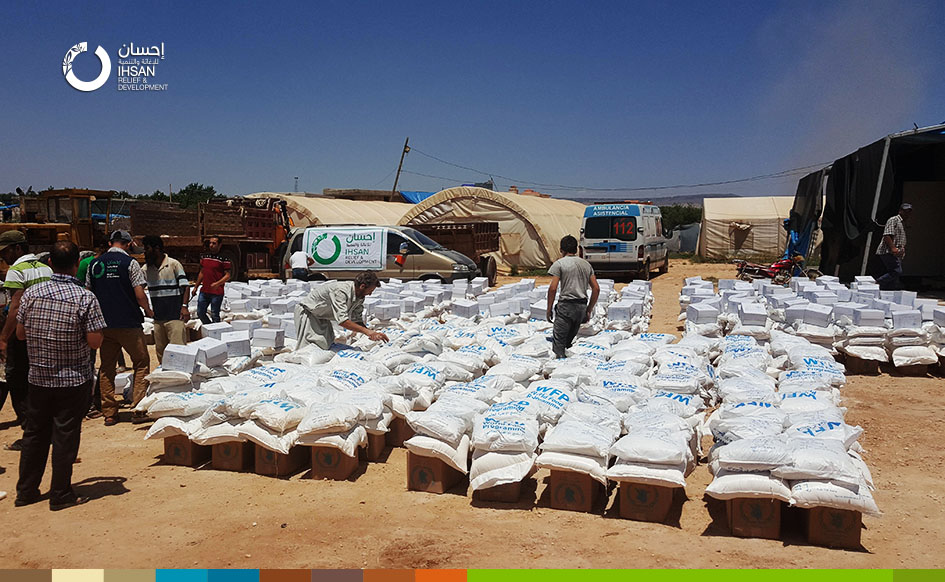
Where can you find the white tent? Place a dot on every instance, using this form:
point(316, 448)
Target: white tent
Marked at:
point(744, 227)
point(317, 211)
point(530, 227)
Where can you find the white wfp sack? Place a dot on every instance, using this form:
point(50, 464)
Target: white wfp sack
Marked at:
point(824, 424)
point(828, 366)
point(348, 376)
point(447, 419)
point(621, 394)
point(581, 438)
point(596, 467)
point(272, 373)
point(620, 369)
point(330, 417)
point(161, 380)
point(874, 353)
point(647, 418)
point(379, 425)
point(807, 400)
point(733, 363)
point(391, 357)
point(634, 351)
point(801, 380)
point(729, 430)
point(239, 364)
point(470, 362)
point(459, 337)
point(371, 403)
point(183, 404)
point(550, 398)
point(700, 344)
point(421, 375)
point(516, 367)
point(491, 469)
point(728, 485)
point(602, 415)
point(452, 372)
point(752, 455)
point(575, 370)
point(219, 433)
point(173, 426)
point(310, 355)
point(682, 405)
point(535, 347)
point(914, 356)
point(347, 442)
point(279, 414)
point(485, 392)
point(812, 458)
point(454, 455)
point(648, 474)
point(751, 409)
point(809, 494)
point(266, 438)
point(505, 432)
point(657, 446)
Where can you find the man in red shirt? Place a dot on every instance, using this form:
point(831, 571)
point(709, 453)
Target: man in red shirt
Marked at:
point(214, 273)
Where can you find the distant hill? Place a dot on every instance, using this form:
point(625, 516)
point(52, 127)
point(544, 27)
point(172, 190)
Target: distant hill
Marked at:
point(691, 199)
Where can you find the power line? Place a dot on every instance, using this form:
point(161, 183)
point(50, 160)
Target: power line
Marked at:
point(781, 174)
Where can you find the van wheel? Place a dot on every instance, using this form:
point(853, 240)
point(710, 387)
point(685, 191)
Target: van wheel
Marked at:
point(316, 277)
point(664, 268)
point(488, 268)
point(645, 272)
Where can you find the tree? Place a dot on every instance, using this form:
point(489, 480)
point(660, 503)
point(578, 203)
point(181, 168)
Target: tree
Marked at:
point(677, 214)
point(193, 194)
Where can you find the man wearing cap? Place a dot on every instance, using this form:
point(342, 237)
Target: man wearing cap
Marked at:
point(892, 248)
point(118, 282)
point(25, 271)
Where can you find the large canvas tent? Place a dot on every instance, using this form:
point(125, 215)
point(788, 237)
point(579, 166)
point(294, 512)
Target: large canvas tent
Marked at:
point(530, 227)
point(744, 227)
point(318, 211)
point(860, 191)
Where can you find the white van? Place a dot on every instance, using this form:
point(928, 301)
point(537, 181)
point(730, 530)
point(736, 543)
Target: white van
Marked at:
point(619, 239)
point(341, 252)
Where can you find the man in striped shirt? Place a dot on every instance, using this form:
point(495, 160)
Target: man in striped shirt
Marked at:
point(170, 291)
point(214, 273)
point(25, 271)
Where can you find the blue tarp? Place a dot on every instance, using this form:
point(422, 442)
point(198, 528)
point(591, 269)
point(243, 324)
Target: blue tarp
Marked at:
point(414, 196)
point(114, 216)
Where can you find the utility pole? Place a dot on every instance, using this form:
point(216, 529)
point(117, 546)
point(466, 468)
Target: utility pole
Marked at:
point(296, 184)
point(393, 191)
point(170, 193)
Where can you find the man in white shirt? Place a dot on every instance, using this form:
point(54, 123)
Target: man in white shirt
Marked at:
point(299, 262)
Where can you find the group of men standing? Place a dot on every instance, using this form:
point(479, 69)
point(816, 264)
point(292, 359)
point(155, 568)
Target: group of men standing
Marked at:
point(57, 319)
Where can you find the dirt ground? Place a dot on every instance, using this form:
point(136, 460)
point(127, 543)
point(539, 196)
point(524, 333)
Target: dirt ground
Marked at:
point(145, 515)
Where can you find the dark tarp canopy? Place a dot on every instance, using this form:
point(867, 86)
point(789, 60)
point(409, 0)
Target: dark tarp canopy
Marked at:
point(870, 176)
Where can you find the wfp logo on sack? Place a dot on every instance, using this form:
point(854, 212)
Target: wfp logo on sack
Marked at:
point(423, 371)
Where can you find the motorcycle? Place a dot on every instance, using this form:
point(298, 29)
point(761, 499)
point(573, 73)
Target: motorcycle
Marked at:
point(780, 272)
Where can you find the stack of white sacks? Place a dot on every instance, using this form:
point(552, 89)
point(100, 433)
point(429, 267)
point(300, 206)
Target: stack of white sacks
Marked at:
point(455, 379)
point(860, 321)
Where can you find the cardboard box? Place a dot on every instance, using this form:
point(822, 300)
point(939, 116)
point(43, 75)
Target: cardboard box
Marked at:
point(573, 491)
point(210, 352)
point(465, 308)
point(398, 431)
point(641, 502)
point(696, 279)
point(387, 311)
point(727, 284)
point(280, 464)
point(785, 301)
point(846, 309)
point(864, 279)
point(233, 456)
point(824, 297)
point(281, 306)
point(927, 307)
point(246, 325)
point(478, 285)
point(905, 298)
point(817, 314)
point(180, 450)
point(869, 317)
point(908, 319)
point(871, 290)
point(538, 310)
point(508, 493)
point(237, 343)
point(485, 301)
point(883, 305)
point(215, 330)
point(377, 444)
point(795, 311)
point(835, 528)
point(331, 463)
point(499, 309)
point(624, 310)
point(754, 517)
point(430, 475)
point(241, 306)
point(180, 358)
point(752, 314)
point(262, 302)
point(888, 296)
point(269, 338)
point(701, 313)
point(938, 316)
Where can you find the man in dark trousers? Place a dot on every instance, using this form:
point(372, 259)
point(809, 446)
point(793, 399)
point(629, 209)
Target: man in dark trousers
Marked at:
point(118, 282)
point(25, 270)
point(574, 275)
point(892, 248)
point(213, 275)
point(60, 321)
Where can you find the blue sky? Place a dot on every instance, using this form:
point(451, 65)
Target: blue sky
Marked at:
point(594, 94)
